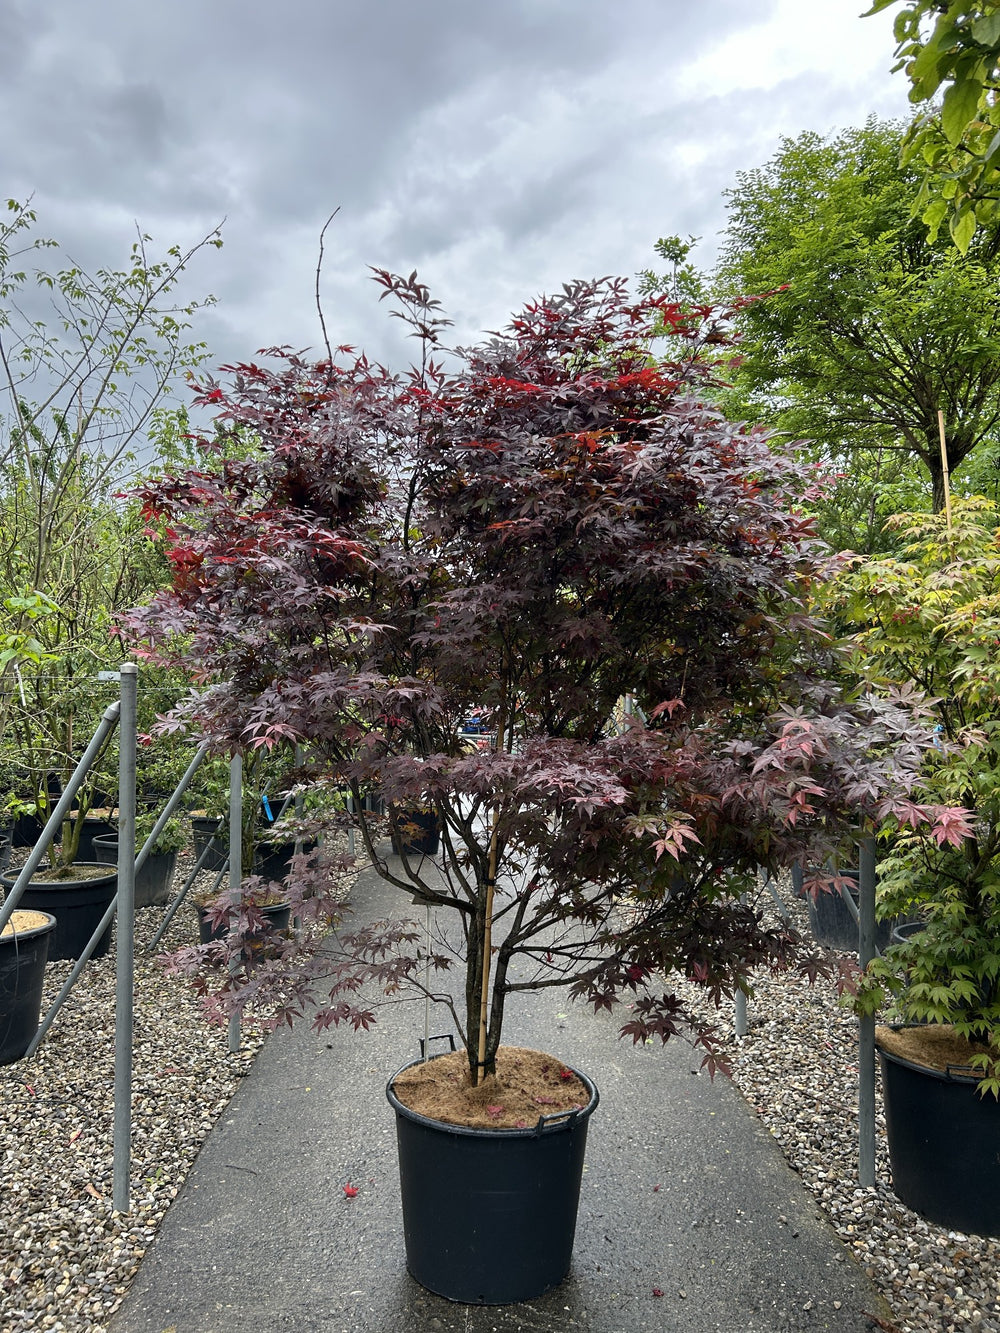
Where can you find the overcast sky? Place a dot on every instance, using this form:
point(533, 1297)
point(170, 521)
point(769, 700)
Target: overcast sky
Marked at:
point(499, 147)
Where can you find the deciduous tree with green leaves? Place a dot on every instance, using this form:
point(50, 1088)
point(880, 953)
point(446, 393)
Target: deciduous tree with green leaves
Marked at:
point(86, 359)
point(871, 327)
point(930, 619)
point(954, 46)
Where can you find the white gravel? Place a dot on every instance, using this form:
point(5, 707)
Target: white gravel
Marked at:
point(66, 1258)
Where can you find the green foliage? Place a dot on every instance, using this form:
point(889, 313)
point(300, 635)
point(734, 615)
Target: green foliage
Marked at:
point(86, 360)
point(953, 45)
point(870, 330)
point(930, 618)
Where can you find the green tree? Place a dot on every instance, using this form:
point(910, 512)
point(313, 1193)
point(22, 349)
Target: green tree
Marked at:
point(871, 327)
point(954, 46)
point(86, 361)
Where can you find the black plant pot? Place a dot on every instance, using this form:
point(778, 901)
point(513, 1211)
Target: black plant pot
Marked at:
point(944, 1145)
point(274, 859)
point(489, 1215)
point(77, 905)
point(23, 954)
point(416, 832)
point(904, 931)
point(831, 921)
point(277, 915)
point(94, 826)
point(152, 883)
point(4, 851)
point(202, 829)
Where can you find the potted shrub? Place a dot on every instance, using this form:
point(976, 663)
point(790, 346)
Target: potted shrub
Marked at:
point(555, 523)
point(929, 618)
point(155, 876)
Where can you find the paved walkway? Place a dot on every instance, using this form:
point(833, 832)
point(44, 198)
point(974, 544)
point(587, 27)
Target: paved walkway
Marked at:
point(684, 1193)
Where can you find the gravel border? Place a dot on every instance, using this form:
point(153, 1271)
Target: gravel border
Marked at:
point(66, 1258)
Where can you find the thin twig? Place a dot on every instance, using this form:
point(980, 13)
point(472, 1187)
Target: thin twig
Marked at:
point(319, 270)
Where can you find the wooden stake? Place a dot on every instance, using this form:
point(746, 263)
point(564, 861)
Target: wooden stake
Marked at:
point(944, 469)
point(491, 880)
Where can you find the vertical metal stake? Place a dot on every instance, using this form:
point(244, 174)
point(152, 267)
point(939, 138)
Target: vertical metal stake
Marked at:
point(866, 1024)
point(740, 1016)
point(235, 865)
point(427, 998)
point(125, 961)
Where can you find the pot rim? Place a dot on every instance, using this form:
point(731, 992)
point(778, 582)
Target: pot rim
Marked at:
point(566, 1119)
point(9, 878)
point(33, 932)
point(952, 1074)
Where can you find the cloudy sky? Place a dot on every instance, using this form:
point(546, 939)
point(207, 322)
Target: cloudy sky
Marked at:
point(499, 147)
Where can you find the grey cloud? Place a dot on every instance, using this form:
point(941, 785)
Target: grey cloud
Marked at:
point(499, 146)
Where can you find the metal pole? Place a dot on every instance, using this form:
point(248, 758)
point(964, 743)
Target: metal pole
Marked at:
point(64, 804)
point(235, 865)
point(170, 807)
point(866, 1024)
point(741, 1024)
point(125, 959)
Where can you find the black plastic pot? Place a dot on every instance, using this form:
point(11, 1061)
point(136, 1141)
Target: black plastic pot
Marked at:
point(152, 883)
point(77, 905)
point(944, 1145)
point(489, 1215)
point(202, 829)
point(831, 921)
point(904, 931)
point(94, 826)
point(273, 860)
point(4, 851)
point(23, 955)
point(277, 915)
point(416, 832)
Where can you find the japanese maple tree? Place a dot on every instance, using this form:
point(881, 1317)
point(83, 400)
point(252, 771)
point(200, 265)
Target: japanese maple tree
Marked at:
point(558, 534)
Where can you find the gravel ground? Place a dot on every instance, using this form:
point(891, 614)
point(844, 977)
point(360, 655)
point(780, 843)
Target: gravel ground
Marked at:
point(66, 1258)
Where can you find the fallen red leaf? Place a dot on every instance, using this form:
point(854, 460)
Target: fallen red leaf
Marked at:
point(657, 1291)
point(494, 1111)
point(349, 1190)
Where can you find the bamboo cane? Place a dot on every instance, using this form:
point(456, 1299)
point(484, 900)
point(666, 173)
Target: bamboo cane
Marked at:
point(491, 879)
point(944, 469)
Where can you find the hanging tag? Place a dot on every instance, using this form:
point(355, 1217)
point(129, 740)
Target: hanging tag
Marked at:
point(267, 809)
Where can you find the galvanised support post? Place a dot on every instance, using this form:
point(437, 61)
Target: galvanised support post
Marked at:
point(741, 1024)
point(125, 960)
point(63, 806)
point(866, 1023)
point(235, 865)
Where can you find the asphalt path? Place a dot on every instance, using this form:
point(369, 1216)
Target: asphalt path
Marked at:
point(689, 1218)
